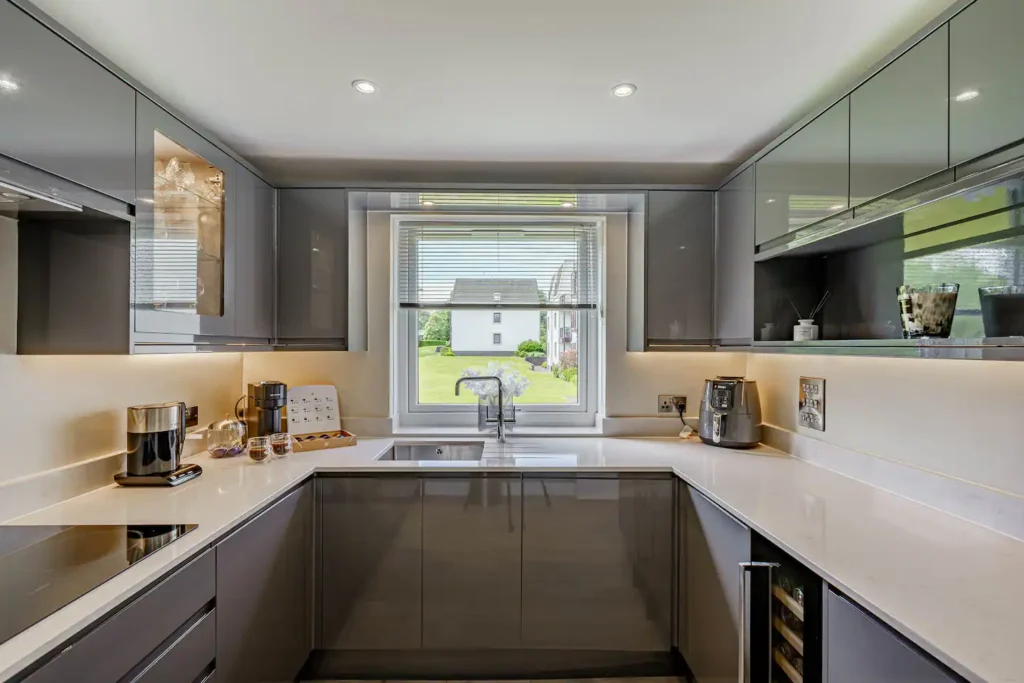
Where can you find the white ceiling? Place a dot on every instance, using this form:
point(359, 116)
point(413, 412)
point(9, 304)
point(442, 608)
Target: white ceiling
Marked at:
point(476, 82)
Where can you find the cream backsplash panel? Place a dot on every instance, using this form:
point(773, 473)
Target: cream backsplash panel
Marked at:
point(961, 419)
point(61, 410)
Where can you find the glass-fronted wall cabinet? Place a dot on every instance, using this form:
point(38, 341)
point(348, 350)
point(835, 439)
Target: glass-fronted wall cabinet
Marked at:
point(184, 240)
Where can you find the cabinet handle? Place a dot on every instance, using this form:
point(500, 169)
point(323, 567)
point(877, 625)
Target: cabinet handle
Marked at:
point(746, 567)
point(28, 192)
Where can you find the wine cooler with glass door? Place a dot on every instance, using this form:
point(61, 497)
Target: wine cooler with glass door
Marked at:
point(785, 600)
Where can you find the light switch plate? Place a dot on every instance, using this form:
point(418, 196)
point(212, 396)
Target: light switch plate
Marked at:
point(812, 403)
point(667, 404)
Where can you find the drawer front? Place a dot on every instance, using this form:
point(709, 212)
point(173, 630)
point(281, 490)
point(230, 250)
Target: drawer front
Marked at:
point(113, 649)
point(187, 657)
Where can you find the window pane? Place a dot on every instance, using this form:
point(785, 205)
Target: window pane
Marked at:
point(452, 342)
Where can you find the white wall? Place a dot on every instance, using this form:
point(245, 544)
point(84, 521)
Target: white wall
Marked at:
point(960, 419)
point(473, 331)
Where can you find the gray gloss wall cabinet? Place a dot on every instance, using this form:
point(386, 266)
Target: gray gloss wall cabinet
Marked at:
point(164, 622)
point(679, 269)
point(715, 545)
point(899, 121)
point(861, 649)
point(472, 550)
point(265, 594)
point(986, 83)
point(578, 587)
point(807, 177)
point(371, 584)
point(734, 260)
point(159, 253)
point(312, 251)
point(69, 115)
point(256, 208)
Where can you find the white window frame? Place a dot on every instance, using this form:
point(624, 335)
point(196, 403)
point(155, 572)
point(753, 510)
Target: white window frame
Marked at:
point(412, 414)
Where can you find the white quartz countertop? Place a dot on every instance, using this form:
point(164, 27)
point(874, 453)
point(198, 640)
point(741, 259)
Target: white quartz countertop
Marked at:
point(950, 586)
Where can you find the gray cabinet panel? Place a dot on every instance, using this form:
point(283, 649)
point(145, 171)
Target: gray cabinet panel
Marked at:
point(158, 245)
point(312, 251)
point(580, 589)
point(114, 648)
point(255, 209)
point(645, 521)
point(265, 594)
point(472, 547)
point(187, 657)
point(371, 539)
point(807, 177)
point(899, 123)
point(680, 260)
point(715, 546)
point(861, 649)
point(734, 260)
point(69, 115)
point(985, 54)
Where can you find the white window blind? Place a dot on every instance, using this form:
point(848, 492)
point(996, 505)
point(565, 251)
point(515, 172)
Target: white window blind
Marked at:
point(535, 265)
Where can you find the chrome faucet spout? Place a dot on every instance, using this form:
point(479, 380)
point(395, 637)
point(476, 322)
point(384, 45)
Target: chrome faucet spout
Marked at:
point(501, 407)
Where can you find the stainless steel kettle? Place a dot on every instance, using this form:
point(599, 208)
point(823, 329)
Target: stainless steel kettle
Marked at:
point(730, 413)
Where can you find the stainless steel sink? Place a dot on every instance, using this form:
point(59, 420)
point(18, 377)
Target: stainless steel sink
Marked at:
point(438, 451)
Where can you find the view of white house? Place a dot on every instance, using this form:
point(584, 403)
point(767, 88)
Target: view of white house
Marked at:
point(498, 331)
point(563, 326)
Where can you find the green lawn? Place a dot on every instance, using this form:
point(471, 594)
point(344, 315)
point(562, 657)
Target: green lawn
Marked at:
point(438, 374)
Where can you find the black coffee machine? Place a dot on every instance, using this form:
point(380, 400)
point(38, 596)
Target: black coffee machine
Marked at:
point(156, 438)
point(265, 409)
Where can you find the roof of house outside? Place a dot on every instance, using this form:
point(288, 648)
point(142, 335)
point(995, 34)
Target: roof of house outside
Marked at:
point(498, 290)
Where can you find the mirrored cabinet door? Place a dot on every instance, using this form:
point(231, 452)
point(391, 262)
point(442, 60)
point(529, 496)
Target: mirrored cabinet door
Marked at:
point(184, 250)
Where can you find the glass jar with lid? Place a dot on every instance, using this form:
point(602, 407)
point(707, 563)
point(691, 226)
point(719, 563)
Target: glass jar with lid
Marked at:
point(225, 438)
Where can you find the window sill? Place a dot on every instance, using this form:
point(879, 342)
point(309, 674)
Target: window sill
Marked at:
point(469, 432)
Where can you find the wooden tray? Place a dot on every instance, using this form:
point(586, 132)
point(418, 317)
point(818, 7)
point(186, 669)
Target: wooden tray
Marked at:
point(318, 442)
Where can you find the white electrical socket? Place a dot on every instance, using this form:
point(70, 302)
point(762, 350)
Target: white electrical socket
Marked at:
point(667, 404)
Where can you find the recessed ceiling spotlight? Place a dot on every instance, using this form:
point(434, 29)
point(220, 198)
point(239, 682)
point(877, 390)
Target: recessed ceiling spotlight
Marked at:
point(769, 201)
point(427, 203)
point(8, 84)
point(567, 205)
point(966, 95)
point(836, 207)
point(364, 86)
point(624, 90)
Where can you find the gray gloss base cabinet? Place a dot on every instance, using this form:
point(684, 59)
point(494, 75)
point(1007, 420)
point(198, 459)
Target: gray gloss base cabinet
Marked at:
point(371, 581)
point(861, 649)
point(580, 588)
point(265, 594)
point(472, 549)
point(714, 544)
point(70, 116)
point(679, 271)
point(312, 253)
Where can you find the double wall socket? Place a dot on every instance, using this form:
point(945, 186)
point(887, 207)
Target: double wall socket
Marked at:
point(667, 404)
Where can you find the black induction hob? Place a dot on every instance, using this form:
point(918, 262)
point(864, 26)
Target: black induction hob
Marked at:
point(43, 568)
